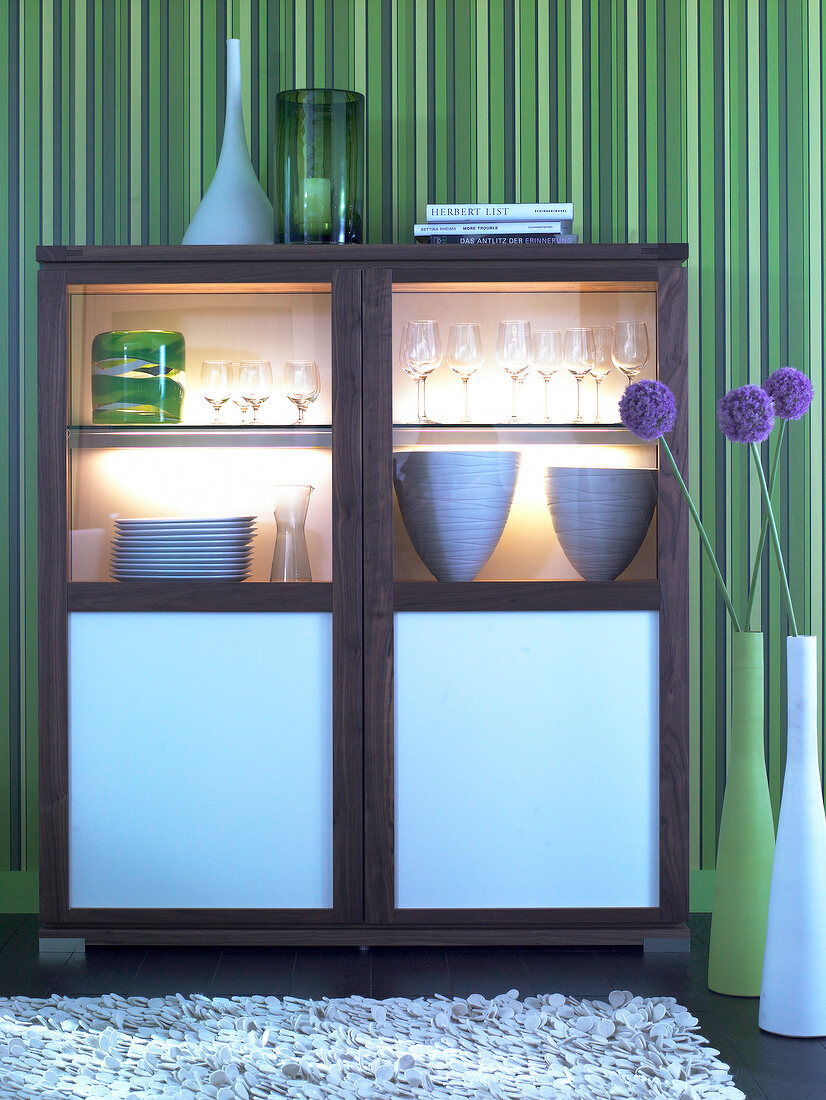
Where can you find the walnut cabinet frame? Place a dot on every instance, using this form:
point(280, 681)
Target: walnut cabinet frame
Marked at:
point(363, 598)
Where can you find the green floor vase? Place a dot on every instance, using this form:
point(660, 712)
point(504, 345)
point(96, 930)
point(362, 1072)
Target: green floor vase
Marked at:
point(745, 849)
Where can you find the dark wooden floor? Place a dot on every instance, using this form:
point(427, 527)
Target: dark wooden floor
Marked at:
point(764, 1066)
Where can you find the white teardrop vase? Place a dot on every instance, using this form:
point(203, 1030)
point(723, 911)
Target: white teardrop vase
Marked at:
point(235, 209)
point(793, 990)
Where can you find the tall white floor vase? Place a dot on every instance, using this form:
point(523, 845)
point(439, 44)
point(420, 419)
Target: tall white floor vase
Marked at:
point(793, 992)
point(235, 209)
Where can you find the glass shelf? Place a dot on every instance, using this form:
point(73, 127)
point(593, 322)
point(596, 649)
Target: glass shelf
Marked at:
point(404, 435)
point(520, 435)
point(269, 435)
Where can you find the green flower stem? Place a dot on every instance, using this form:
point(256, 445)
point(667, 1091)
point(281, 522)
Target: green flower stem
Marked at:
point(761, 542)
point(695, 515)
point(775, 539)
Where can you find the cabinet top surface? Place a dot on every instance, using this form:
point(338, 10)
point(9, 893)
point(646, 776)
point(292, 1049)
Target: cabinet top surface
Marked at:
point(362, 254)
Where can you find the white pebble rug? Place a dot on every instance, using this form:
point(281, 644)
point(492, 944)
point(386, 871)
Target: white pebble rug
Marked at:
point(245, 1048)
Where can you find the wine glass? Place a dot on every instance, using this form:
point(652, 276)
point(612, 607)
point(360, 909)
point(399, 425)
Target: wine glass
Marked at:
point(403, 363)
point(514, 354)
point(603, 364)
point(578, 352)
point(216, 385)
point(629, 350)
point(237, 397)
point(403, 349)
point(423, 353)
point(301, 383)
point(255, 383)
point(465, 354)
point(547, 358)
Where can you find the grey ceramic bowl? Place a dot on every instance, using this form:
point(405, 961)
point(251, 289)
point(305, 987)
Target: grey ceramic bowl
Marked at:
point(600, 516)
point(454, 505)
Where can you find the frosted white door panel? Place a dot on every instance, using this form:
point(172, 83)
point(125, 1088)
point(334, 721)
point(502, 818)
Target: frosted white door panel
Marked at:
point(526, 759)
point(200, 760)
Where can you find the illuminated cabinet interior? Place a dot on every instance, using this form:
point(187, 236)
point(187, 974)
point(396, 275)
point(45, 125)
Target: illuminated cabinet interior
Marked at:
point(354, 539)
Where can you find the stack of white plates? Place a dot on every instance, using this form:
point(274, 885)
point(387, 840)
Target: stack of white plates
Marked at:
point(214, 548)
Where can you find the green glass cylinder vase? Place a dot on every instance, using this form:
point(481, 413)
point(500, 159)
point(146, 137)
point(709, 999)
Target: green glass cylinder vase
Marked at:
point(745, 848)
point(319, 174)
point(138, 377)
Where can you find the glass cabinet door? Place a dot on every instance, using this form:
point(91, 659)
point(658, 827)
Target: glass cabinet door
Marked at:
point(212, 531)
point(521, 746)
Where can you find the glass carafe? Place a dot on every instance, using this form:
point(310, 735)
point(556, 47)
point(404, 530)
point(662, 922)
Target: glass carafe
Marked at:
point(290, 560)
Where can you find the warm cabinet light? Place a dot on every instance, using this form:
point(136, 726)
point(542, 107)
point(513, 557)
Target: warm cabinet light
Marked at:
point(195, 481)
point(199, 288)
point(205, 480)
point(594, 456)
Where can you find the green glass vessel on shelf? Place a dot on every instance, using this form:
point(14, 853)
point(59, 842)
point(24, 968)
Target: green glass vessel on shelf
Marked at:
point(138, 377)
point(318, 173)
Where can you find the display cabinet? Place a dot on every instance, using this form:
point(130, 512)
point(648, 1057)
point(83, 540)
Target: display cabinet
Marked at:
point(461, 715)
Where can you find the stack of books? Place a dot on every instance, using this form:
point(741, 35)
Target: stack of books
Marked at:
point(497, 223)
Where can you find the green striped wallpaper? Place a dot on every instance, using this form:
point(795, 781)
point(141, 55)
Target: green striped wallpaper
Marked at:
point(697, 120)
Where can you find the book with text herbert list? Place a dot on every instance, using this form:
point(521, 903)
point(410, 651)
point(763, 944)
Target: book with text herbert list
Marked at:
point(500, 212)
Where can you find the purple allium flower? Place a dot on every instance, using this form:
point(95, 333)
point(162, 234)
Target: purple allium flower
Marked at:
point(791, 391)
point(746, 415)
point(648, 409)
